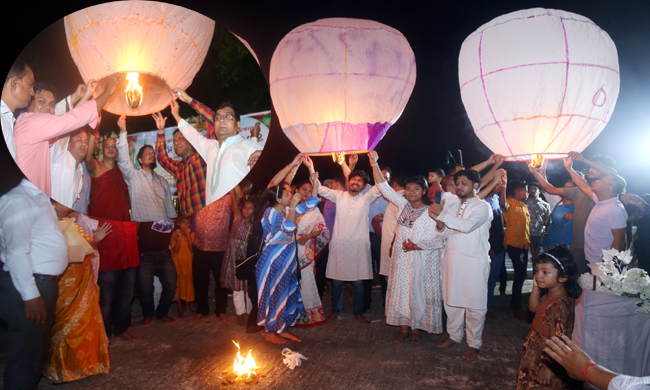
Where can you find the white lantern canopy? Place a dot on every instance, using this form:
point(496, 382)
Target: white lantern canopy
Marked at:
point(164, 44)
point(338, 84)
point(538, 82)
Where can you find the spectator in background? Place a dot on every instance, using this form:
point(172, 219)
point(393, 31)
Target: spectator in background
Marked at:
point(641, 218)
point(387, 229)
point(517, 239)
point(17, 92)
point(561, 229)
point(497, 248)
point(540, 213)
point(434, 179)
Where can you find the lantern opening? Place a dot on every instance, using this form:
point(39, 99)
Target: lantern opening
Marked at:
point(133, 91)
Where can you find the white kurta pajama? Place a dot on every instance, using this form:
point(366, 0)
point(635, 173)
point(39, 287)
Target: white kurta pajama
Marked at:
point(414, 296)
point(466, 268)
point(349, 257)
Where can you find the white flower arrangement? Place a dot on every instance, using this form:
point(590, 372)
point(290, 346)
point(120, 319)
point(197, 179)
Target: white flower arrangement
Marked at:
point(612, 275)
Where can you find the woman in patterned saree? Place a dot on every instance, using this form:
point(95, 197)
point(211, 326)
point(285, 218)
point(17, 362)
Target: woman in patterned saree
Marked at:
point(280, 303)
point(414, 297)
point(312, 236)
point(79, 345)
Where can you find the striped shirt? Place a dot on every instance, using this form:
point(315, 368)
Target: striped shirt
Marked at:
point(207, 115)
point(151, 199)
point(189, 174)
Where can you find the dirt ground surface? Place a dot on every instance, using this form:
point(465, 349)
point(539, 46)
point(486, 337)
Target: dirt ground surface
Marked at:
point(343, 354)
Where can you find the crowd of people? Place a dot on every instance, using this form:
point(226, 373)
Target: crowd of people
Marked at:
point(437, 246)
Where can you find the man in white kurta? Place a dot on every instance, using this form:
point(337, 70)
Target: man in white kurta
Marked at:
point(466, 264)
point(228, 159)
point(349, 256)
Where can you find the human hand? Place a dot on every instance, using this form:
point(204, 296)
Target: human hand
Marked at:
point(568, 163)
point(103, 231)
point(302, 238)
point(565, 352)
point(175, 108)
point(178, 232)
point(297, 160)
point(352, 161)
point(491, 253)
point(78, 93)
point(499, 175)
point(408, 246)
point(435, 209)
point(499, 159)
point(254, 157)
point(576, 156)
point(544, 375)
point(181, 94)
point(309, 164)
point(256, 130)
point(121, 123)
point(160, 122)
point(632, 199)
point(314, 179)
point(295, 199)
point(568, 216)
point(372, 156)
point(35, 311)
point(113, 82)
point(378, 218)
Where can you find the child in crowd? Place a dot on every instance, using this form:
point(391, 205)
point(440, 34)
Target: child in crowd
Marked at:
point(554, 314)
point(181, 247)
point(239, 232)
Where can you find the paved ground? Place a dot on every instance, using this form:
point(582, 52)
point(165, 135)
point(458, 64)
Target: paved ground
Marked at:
point(341, 355)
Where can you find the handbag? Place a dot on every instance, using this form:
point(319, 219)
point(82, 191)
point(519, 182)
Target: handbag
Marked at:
point(77, 245)
point(245, 267)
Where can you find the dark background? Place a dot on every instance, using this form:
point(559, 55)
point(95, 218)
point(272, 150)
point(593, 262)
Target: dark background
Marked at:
point(434, 119)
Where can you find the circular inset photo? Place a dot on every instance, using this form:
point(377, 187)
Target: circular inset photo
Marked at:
point(135, 111)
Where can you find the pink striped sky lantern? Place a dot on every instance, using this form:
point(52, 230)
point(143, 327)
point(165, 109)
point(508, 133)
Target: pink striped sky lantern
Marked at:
point(158, 46)
point(538, 83)
point(338, 84)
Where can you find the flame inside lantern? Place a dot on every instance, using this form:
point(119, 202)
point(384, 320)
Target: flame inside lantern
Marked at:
point(133, 91)
point(243, 368)
point(537, 161)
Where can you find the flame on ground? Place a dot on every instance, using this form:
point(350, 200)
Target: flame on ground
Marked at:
point(244, 368)
point(133, 91)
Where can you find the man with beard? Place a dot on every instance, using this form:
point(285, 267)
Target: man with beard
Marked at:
point(151, 199)
point(599, 166)
point(466, 266)
point(189, 172)
point(349, 255)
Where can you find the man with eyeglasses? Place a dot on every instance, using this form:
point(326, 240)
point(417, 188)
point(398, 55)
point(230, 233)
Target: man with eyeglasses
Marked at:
point(228, 156)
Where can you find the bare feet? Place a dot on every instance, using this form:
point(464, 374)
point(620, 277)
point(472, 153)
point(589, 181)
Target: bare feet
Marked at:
point(126, 336)
point(274, 338)
point(197, 317)
point(167, 319)
point(363, 320)
point(332, 317)
point(447, 342)
point(146, 321)
point(224, 317)
point(289, 336)
point(470, 353)
point(415, 337)
point(240, 321)
point(401, 336)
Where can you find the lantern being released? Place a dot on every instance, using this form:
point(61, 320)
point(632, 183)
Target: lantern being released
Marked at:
point(160, 46)
point(338, 84)
point(538, 82)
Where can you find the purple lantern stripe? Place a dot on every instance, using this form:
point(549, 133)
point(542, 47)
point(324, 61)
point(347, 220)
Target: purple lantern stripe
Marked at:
point(543, 116)
point(340, 74)
point(558, 134)
point(344, 136)
point(566, 79)
point(344, 28)
point(97, 51)
point(486, 96)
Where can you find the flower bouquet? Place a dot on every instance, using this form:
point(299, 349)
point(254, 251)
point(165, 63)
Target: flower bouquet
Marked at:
point(612, 275)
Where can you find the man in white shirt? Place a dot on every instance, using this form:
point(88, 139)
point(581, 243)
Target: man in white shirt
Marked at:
point(17, 91)
point(349, 256)
point(151, 199)
point(67, 172)
point(34, 254)
point(466, 266)
point(229, 158)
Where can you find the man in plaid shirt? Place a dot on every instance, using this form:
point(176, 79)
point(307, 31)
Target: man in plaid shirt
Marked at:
point(189, 172)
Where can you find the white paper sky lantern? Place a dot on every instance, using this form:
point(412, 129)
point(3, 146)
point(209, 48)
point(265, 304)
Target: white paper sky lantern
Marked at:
point(164, 43)
point(538, 81)
point(339, 84)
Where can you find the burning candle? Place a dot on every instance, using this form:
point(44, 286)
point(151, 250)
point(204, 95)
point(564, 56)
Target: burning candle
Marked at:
point(133, 91)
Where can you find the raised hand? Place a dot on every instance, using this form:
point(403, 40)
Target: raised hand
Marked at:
point(352, 162)
point(121, 123)
point(175, 107)
point(297, 160)
point(113, 82)
point(256, 130)
point(568, 163)
point(499, 175)
point(181, 94)
point(309, 164)
point(254, 157)
point(160, 121)
point(435, 209)
point(103, 231)
point(576, 156)
point(373, 157)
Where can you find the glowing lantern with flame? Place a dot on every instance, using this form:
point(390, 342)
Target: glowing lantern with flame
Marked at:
point(538, 82)
point(163, 45)
point(338, 84)
point(244, 368)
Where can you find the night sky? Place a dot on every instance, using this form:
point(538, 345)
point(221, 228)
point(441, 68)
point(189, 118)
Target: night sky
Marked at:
point(434, 119)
